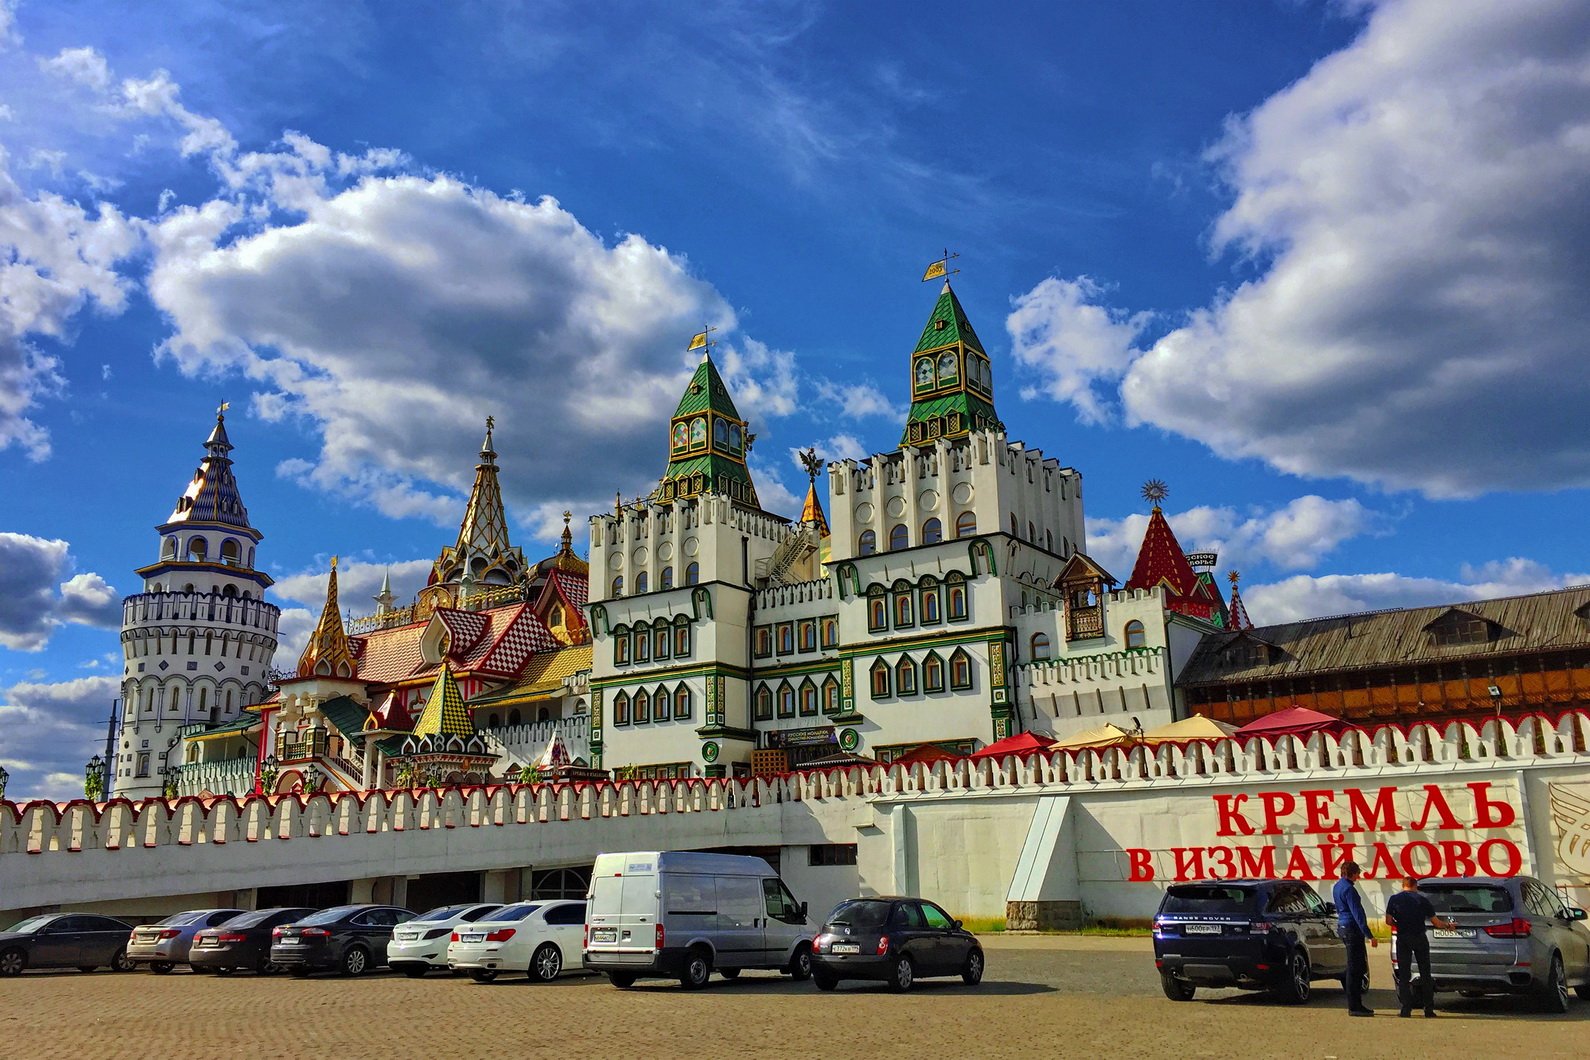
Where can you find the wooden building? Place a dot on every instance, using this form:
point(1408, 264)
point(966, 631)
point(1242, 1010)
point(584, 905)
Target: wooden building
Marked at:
point(1510, 656)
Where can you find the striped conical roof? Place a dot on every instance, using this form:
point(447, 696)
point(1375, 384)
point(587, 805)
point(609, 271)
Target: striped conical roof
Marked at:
point(444, 713)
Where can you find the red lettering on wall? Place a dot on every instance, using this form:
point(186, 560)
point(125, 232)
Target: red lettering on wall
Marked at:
point(1229, 808)
point(1277, 804)
point(1319, 808)
point(1256, 863)
point(1139, 866)
point(1435, 803)
point(1297, 866)
point(1489, 814)
point(1189, 863)
point(1381, 817)
point(1419, 851)
point(1457, 858)
point(1512, 862)
point(1381, 863)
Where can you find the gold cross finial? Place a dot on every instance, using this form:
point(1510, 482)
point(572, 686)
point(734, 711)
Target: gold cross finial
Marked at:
point(491, 422)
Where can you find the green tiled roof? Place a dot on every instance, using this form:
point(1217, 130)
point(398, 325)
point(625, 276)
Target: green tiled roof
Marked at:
point(706, 392)
point(947, 324)
point(706, 403)
point(346, 715)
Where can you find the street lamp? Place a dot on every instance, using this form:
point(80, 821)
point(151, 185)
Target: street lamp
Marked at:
point(267, 774)
point(94, 779)
point(4, 776)
point(313, 778)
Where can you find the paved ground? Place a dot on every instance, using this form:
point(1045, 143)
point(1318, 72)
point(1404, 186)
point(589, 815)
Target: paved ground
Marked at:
point(1042, 996)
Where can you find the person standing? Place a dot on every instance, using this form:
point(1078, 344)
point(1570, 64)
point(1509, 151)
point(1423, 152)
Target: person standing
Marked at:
point(1353, 927)
point(1410, 912)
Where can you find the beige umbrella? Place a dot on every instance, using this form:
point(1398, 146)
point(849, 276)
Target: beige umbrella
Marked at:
point(1106, 735)
point(1196, 727)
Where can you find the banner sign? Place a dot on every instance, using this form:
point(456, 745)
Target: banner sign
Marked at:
point(1310, 834)
point(823, 734)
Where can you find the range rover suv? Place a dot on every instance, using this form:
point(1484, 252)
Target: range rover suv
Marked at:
point(1275, 935)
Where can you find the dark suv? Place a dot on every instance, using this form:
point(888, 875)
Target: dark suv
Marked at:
point(1273, 935)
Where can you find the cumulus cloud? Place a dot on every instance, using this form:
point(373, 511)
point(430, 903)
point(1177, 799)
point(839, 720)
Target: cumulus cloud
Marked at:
point(1302, 596)
point(859, 400)
point(358, 580)
point(49, 730)
point(1295, 536)
point(37, 596)
point(1414, 217)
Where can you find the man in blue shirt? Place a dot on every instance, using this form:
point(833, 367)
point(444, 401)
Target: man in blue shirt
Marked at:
point(1353, 927)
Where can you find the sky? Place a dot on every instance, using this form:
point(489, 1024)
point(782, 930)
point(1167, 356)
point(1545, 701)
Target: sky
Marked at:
point(1319, 266)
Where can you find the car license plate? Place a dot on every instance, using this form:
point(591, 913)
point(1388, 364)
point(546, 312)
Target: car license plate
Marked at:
point(473, 936)
point(289, 942)
point(604, 934)
point(1450, 933)
point(846, 947)
point(405, 936)
point(1202, 929)
point(211, 941)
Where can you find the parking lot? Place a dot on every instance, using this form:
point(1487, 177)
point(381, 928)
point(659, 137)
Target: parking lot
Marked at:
point(1060, 996)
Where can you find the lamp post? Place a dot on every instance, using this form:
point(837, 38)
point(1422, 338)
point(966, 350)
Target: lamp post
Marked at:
point(313, 779)
point(267, 774)
point(4, 776)
point(94, 779)
point(169, 776)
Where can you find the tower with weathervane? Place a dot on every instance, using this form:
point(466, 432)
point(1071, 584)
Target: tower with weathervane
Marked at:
point(198, 640)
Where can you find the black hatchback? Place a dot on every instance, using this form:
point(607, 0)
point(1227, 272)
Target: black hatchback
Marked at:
point(1274, 935)
point(348, 938)
point(893, 940)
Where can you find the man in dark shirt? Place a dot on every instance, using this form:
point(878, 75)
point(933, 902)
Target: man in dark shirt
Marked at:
point(1353, 927)
point(1409, 912)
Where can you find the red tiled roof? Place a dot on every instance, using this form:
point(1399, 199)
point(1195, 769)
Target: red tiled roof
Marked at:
point(387, 656)
point(523, 635)
point(1161, 562)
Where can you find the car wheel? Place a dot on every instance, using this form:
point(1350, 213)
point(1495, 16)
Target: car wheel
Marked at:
point(904, 975)
point(355, 961)
point(1176, 989)
point(1297, 986)
point(824, 981)
point(1554, 996)
point(800, 965)
point(729, 973)
point(546, 963)
point(622, 980)
point(122, 963)
point(161, 967)
point(972, 970)
point(12, 962)
point(698, 970)
point(415, 971)
point(483, 975)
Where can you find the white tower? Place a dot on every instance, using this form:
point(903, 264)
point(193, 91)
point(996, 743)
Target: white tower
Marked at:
point(198, 640)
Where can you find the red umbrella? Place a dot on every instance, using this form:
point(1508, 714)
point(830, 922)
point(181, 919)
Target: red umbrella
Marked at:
point(1293, 721)
point(927, 754)
point(1023, 743)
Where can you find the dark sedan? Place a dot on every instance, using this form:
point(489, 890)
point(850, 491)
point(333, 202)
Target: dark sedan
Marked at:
point(893, 940)
point(65, 940)
point(351, 939)
point(244, 942)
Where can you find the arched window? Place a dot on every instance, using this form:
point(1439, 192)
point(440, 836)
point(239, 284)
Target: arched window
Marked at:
point(904, 605)
point(877, 609)
point(786, 700)
point(494, 720)
point(666, 582)
point(867, 544)
point(924, 374)
point(618, 586)
point(808, 698)
point(660, 702)
point(197, 548)
point(1032, 533)
point(965, 524)
point(947, 367)
point(681, 437)
point(1048, 540)
point(231, 552)
point(681, 637)
point(642, 645)
point(932, 673)
point(764, 703)
point(960, 670)
point(880, 680)
point(514, 717)
point(932, 611)
point(956, 604)
point(682, 703)
point(830, 695)
point(642, 706)
point(660, 640)
point(786, 638)
point(905, 677)
point(698, 432)
point(830, 633)
point(692, 574)
point(1135, 635)
point(640, 583)
point(932, 532)
point(621, 709)
point(720, 433)
point(169, 552)
point(1015, 531)
point(734, 437)
point(899, 537)
point(1040, 646)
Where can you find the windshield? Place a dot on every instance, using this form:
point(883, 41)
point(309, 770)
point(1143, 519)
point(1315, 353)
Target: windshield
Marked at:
point(329, 916)
point(444, 912)
point(514, 912)
point(1210, 898)
point(863, 916)
point(184, 919)
point(30, 925)
point(1467, 898)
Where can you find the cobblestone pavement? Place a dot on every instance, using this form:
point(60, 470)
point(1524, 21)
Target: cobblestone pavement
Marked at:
point(1049, 996)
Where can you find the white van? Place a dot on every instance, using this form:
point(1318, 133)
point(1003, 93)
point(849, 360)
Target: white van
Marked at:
point(681, 915)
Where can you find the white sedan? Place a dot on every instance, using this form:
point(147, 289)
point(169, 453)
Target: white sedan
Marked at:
point(543, 939)
point(421, 944)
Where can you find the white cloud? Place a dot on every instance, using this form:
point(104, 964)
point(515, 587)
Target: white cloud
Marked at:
point(1061, 332)
point(37, 596)
point(860, 400)
point(358, 580)
point(1302, 596)
point(48, 731)
point(1414, 210)
point(1295, 536)
point(292, 633)
point(83, 66)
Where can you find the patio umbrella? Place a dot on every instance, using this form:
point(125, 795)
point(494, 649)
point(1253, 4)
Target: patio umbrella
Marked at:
point(927, 754)
point(1196, 727)
point(1105, 735)
point(1293, 721)
point(838, 760)
point(1023, 743)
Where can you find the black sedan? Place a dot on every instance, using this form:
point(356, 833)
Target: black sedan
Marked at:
point(894, 940)
point(244, 941)
point(351, 939)
point(65, 940)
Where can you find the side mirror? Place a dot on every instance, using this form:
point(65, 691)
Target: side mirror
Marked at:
point(803, 910)
point(956, 925)
point(1575, 913)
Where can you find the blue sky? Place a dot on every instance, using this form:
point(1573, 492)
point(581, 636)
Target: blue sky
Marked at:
point(1320, 266)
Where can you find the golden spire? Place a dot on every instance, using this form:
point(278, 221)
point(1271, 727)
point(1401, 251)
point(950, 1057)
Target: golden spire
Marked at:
point(812, 511)
point(328, 654)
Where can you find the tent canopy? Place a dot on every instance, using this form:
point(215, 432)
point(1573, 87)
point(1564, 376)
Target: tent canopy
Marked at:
point(1105, 735)
point(838, 760)
point(1293, 721)
point(926, 754)
point(1023, 743)
point(1196, 727)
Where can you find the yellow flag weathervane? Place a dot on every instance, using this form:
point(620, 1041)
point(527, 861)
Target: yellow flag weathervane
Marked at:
point(941, 267)
point(702, 339)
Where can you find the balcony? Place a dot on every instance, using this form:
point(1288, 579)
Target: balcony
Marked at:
point(302, 748)
point(1084, 623)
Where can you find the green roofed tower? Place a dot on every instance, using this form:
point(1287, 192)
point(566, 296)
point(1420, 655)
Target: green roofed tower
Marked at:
point(952, 386)
point(707, 443)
